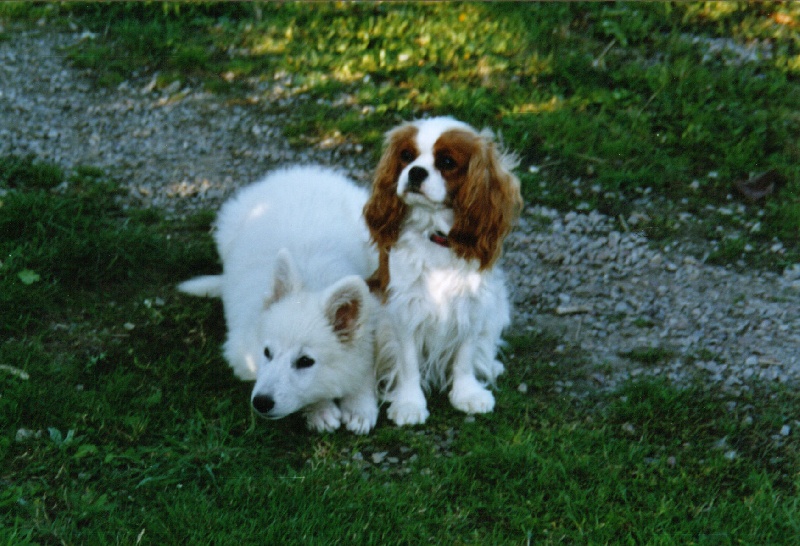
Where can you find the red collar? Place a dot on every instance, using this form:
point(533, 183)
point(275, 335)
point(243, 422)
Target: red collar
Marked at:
point(440, 239)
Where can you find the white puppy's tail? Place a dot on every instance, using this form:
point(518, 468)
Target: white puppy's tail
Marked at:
point(209, 286)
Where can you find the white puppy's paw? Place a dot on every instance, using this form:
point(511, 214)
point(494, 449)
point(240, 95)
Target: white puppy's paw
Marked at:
point(324, 417)
point(359, 416)
point(407, 413)
point(469, 396)
point(358, 422)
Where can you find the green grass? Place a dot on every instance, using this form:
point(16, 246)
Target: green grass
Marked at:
point(648, 355)
point(128, 426)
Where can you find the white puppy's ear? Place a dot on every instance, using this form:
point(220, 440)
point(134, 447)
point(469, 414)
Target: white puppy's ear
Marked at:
point(285, 280)
point(345, 306)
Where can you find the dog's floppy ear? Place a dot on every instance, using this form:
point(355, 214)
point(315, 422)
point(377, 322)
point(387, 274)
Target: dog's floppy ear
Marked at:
point(384, 211)
point(345, 306)
point(285, 278)
point(486, 205)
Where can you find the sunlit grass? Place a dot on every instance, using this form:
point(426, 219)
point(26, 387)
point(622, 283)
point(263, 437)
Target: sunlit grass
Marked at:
point(608, 99)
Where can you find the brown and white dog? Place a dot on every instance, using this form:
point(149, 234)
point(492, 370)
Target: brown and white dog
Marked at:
point(442, 201)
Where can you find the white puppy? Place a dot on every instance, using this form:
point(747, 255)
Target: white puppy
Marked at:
point(295, 251)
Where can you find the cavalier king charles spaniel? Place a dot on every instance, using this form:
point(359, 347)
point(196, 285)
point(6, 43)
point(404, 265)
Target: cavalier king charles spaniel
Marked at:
point(442, 201)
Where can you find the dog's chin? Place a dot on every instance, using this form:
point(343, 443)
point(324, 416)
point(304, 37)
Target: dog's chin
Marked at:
point(419, 199)
point(272, 415)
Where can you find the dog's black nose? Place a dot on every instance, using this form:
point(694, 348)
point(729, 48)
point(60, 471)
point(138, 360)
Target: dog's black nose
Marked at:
point(416, 176)
point(263, 403)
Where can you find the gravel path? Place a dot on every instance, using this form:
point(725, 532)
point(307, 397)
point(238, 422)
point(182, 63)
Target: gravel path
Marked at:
point(574, 276)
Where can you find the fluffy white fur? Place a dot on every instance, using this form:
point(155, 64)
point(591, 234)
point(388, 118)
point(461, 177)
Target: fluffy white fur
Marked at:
point(446, 307)
point(443, 324)
point(300, 318)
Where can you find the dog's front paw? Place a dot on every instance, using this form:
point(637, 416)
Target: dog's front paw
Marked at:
point(359, 416)
point(358, 422)
point(470, 396)
point(407, 413)
point(324, 417)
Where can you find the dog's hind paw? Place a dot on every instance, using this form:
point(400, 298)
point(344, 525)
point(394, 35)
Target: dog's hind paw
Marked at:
point(324, 417)
point(471, 397)
point(404, 413)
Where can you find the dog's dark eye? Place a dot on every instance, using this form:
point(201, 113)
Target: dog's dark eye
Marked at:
point(267, 353)
point(445, 163)
point(407, 156)
point(303, 362)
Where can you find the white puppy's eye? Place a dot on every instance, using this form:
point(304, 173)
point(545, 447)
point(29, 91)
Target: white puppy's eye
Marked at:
point(267, 353)
point(303, 362)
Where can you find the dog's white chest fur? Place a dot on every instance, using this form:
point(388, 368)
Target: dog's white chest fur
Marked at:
point(441, 287)
point(440, 301)
point(446, 287)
